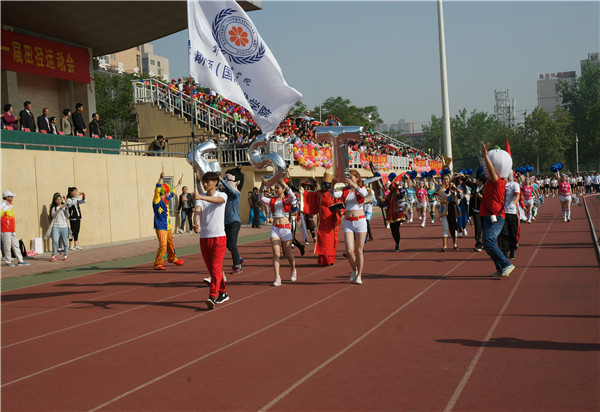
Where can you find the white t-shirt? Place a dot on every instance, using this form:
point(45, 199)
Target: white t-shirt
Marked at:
point(512, 188)
point(212, 219)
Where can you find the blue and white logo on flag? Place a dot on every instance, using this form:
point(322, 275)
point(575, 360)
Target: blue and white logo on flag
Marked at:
point(228, 55)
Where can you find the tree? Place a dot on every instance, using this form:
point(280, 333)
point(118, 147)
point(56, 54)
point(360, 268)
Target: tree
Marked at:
point(468, 131)
point(547, 138)
point(298, 109)
point(582, 102)
point(349, 114)
point(115, 106)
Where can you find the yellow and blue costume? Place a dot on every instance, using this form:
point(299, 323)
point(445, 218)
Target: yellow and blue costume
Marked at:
point(162, 226)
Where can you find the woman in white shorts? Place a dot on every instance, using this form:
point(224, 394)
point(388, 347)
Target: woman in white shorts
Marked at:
point(528, 193)
point(564, 196)
point(355, 223)
point(554, 186)
point(281, 231)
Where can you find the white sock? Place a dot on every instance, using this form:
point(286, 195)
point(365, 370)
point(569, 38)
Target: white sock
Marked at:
point(568, 213)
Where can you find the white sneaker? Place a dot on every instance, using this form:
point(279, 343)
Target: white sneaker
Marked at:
point(423, 224)
point(179, 231)
point(506, 271)
point(411, 220)
point(358, 281)
point(465, 232)
point(206, 280)
point(293, 277)
point(432, 221)
point(277, 281)
point(353, 276)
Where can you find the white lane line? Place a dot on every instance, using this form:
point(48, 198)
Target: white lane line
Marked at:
point(356, 341)
point(465, 379)
point(242, 339)
point(96, 298)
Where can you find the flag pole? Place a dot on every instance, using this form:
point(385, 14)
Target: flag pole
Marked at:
point(444, 76)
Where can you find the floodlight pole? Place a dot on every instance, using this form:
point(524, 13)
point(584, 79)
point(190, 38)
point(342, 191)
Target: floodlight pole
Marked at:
point(577, 151)
point(444, 76)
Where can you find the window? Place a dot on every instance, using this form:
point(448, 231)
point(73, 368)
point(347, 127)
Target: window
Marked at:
point(137, 48)
point(112, 56)
point(158, 63)
point(152, 63)
point(138, 61)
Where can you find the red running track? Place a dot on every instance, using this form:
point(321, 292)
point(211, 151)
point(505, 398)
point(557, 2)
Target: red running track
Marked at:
point(426, 331)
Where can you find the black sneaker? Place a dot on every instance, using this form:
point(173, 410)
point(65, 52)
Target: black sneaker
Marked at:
point(223, 297)
point(397, 248)
point(211, 302)
point(511, 254)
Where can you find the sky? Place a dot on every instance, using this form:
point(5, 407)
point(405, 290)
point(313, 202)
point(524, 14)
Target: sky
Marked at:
point(387, 53)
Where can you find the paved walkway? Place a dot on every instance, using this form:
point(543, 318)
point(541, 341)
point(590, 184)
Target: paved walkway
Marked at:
point(99, 257)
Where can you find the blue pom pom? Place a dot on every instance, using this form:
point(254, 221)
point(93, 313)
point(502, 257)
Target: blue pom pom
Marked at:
point(529, 168)
point(432, 172)
point(424, 174)
point(392, 176)
point(479, 170)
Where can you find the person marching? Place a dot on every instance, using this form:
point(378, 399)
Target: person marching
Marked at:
point(564, 196)
point(368, 208)
point(421, 195)
point(162, 224)
point(446, 195)
point(432, 199)
point(394, 212)
point(355, 223)
point(10, 240)
point(528, 193)
point(508, 240)
point(318, 203)
point(475, 206)
point(232, 185)
point(492, 215)
point(210, 218)
point(281, 232)
point(410, 200)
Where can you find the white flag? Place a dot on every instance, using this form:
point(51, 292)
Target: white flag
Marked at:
point(228, 55)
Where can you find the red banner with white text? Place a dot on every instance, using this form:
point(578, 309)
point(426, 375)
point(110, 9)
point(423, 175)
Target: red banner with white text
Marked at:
point(28, 54)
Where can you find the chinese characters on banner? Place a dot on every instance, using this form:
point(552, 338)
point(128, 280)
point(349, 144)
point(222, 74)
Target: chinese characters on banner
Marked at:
point(27, 54)
point(376, 159)
point(422, 165)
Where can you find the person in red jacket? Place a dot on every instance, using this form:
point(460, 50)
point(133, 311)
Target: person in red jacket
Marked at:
point(9, 236)
point(318, 203)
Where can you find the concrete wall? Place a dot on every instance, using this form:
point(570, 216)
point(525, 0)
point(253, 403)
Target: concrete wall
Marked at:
point(119, 190)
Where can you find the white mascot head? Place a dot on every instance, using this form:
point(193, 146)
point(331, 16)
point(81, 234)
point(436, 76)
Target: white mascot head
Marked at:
point(502, 163)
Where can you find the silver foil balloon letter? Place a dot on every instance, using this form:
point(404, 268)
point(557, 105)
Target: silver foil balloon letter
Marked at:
point(197, 158)
point(261, 161)
point(338, 138)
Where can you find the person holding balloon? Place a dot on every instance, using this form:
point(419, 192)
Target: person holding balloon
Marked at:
point(355, 223)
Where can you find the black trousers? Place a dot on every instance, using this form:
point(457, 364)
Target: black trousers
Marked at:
point(452, 225)
point(508, 237)
point(395, 228)
point(256, 221)
point(75, 226)
point(478, 230)
point(231, 231)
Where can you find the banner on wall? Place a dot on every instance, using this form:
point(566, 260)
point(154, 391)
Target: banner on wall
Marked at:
point(376, 159)
point(28, 54)
point(435, 165)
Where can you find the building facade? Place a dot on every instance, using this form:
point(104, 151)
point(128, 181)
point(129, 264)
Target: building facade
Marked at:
point(549, 98)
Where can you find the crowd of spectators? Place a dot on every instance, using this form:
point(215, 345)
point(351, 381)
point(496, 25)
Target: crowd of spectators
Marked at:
point(70, 124)
point(292, 128)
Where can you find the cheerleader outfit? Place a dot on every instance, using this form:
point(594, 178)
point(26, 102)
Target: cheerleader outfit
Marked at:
point(280, 208)
point(353, 200)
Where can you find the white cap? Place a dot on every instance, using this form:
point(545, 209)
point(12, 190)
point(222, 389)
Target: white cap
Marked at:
point(7, 193)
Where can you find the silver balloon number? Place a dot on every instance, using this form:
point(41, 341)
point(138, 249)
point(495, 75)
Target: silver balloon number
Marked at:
point(197, 158)
point(261, 161)
point(338, 138)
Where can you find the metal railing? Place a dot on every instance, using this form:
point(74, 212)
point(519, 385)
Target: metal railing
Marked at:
point(180, 103)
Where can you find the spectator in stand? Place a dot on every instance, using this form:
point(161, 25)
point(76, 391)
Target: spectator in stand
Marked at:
point(95, 126)
point(26, 117)
point(9, 121)
point(43, 121)
point(53, 128)
point(158, 145)
point(78, 123)
point(65, 123)
point(10, 240)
